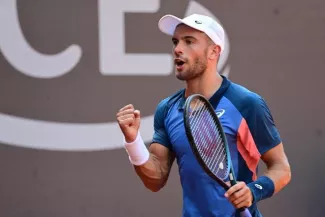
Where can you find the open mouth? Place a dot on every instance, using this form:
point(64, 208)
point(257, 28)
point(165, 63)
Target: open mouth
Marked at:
point(179, 62)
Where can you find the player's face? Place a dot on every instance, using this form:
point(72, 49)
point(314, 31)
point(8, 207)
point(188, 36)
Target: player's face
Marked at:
point(190, 52)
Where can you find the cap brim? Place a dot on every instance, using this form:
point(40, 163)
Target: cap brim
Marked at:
point(168, 23)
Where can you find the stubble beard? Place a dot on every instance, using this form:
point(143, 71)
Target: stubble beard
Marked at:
point(195, 70)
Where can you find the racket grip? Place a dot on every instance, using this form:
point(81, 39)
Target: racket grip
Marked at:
point(245, 213)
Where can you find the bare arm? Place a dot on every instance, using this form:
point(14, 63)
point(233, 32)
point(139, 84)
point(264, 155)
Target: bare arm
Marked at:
point(152, 166)
point(278, 168)
point(155, 172)
point(278, 173)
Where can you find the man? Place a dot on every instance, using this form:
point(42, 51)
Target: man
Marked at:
point(252, 135)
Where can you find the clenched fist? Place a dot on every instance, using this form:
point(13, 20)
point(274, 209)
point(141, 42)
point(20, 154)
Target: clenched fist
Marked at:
point(129, 121)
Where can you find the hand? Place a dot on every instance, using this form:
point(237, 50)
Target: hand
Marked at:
point(129, 121)
point(240, 195)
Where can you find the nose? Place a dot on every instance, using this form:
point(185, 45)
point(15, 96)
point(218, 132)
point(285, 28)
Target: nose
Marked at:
point(178, 50)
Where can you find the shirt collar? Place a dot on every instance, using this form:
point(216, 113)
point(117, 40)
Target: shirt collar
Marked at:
point(215, 98)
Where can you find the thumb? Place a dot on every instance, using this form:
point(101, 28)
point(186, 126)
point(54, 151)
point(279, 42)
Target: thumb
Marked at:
point(137, 118)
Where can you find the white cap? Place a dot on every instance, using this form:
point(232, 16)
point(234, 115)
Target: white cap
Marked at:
point(168, 23)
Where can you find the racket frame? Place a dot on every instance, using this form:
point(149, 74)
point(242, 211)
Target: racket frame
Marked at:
point(212, 112)
point(191, 140)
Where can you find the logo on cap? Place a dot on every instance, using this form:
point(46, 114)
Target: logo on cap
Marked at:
point(198, 22)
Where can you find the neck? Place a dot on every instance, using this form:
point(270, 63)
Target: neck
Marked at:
point(206, 85)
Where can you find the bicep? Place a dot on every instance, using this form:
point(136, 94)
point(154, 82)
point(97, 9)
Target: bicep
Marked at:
point(160, 147)
point(275, 157)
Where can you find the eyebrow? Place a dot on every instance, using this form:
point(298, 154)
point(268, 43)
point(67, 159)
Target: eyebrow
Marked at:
point(185, 37)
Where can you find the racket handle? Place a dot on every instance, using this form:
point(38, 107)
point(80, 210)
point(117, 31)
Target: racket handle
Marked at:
point(245, 213)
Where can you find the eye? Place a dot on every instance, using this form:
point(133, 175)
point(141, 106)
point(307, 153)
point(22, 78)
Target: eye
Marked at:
point(188, 42)
point(175, 42)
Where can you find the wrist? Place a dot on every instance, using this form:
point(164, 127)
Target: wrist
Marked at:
point(128, 140)
point(261, 189)
point(137, 150)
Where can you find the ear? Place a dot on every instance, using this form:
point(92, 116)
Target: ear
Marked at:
point(214, 52)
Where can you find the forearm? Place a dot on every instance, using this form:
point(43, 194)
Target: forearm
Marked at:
point(152, 173)
point(275, 178)
point(153, 165)
point(280, 175)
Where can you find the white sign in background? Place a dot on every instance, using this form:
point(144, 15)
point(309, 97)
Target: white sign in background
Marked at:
point(47, 135)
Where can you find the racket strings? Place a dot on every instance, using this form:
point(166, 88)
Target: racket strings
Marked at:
point(212, 149)
point(208, 139)
point(196, 124)
point(213, 140)
point(221, 156)
point(200, 130)
point(218, 151)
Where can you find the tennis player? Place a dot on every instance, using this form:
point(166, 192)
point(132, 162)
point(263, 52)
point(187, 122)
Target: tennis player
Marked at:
point(198, 41)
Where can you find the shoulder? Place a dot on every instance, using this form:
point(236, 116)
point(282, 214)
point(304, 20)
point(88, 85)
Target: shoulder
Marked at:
point(245, 100)
point(164, 105)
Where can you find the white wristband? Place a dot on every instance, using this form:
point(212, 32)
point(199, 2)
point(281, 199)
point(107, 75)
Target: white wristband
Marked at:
point(137, 151)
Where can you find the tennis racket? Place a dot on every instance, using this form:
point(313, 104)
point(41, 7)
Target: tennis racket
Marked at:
point(208, 142)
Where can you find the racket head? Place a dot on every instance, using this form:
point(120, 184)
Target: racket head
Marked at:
point(210, 124)
point(207, 138)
